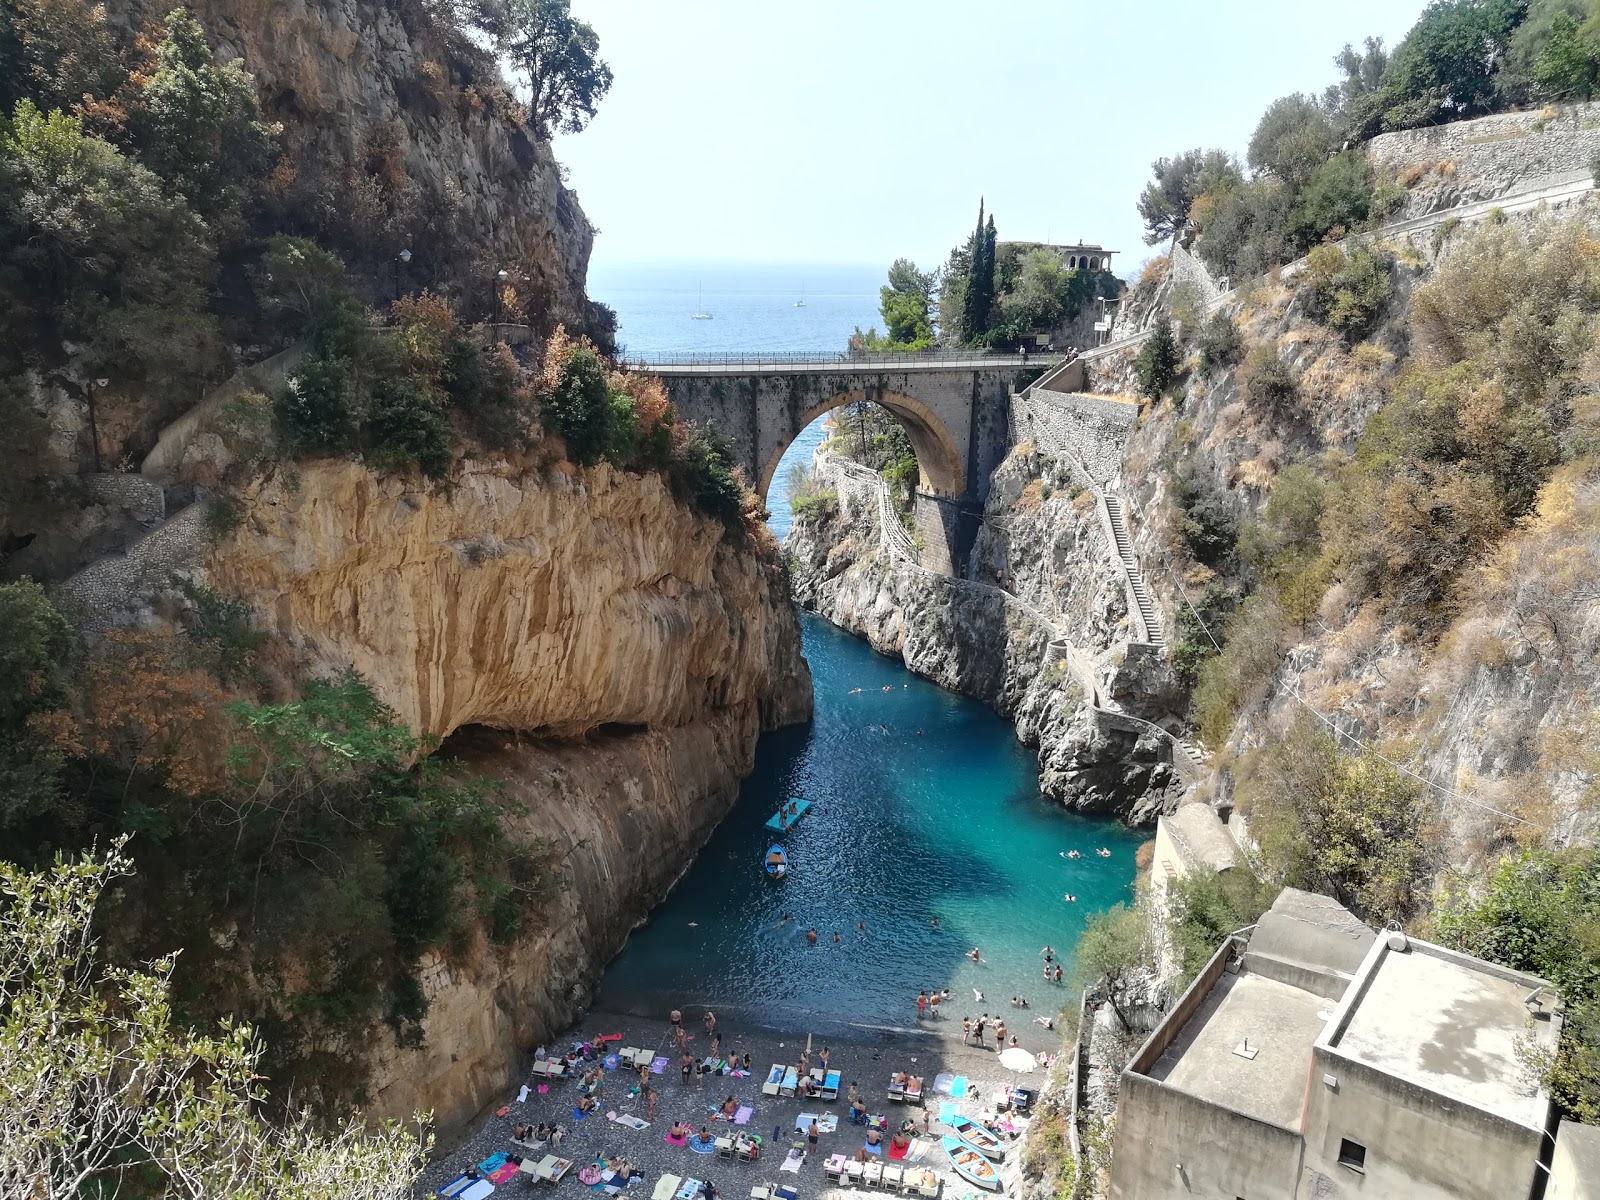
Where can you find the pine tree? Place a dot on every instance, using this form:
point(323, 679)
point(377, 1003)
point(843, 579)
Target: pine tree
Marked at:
point(1158, 362)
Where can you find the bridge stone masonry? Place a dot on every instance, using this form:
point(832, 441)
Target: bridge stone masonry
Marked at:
point(954, 406)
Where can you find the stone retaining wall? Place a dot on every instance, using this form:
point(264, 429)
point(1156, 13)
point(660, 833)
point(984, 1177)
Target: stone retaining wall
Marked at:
point(1490, 157)
point(1086, 428)
point(104, 591)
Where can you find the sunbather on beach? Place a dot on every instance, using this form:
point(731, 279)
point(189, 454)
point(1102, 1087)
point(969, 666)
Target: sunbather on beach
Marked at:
point(822, 1060)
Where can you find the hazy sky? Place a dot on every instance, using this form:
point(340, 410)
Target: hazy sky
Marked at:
point(858, 132)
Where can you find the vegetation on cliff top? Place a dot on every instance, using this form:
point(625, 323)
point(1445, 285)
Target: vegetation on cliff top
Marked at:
point(108, 1091)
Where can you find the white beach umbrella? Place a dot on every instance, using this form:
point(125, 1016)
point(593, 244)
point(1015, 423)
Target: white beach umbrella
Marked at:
point(1017, 1059)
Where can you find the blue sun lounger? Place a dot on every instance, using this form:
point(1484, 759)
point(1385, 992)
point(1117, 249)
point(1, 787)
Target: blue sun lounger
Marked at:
point(830, 1086)
point(791, 1080)
point(783, 819)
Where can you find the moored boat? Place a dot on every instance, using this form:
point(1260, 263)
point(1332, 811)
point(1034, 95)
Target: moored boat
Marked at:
point(970, 1165)
point(777, 862)
point(980, 1137)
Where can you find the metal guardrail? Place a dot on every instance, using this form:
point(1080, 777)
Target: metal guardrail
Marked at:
point(844, 358)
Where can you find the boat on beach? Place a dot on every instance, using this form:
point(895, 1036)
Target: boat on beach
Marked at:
point(980, 1137)
point(788, 814)
point(777, 862)
point(970, 1165)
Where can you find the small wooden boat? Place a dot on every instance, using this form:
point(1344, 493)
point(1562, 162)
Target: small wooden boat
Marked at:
point(980, 1137)
point(970, 1165)
point(788, 814)
point(777, 862)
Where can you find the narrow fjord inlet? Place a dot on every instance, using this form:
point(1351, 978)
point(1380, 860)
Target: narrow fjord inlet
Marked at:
point(925, 808)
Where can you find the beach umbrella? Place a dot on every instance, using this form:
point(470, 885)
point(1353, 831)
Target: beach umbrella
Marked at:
point(1017, 1059)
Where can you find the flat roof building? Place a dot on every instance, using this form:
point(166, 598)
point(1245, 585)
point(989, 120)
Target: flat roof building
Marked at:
point(1321, 1060)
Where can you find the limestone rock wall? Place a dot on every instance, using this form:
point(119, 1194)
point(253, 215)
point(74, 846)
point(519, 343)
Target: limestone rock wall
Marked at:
point(1048, 552)
point(525, 598)
point(600, 647)
point(625, 813)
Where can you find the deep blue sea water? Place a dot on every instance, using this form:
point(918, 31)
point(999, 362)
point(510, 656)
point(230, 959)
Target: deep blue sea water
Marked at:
point(926, 806)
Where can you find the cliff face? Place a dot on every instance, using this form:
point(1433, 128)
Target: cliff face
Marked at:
point(1048, 550)
point(625, 654)
point(550, 600)
point(399, 133)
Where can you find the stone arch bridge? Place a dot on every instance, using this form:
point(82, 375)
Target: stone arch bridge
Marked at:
point(953, 405)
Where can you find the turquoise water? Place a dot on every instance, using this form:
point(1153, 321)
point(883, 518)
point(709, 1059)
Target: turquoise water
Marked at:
point(948, 825)
point(905, 829)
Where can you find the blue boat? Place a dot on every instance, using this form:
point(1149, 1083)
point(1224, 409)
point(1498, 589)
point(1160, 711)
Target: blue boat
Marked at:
point(980, 1137)
point(788, 814)
point(777, 862)
point(970, 1165)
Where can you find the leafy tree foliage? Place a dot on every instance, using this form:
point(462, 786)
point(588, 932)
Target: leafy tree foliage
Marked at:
point(1158, 362)
point(1357, 101)
point(1220, 342)
point(94, 252)
point(1205, 906)
point(556, 58)
point(199, 126)
point(1294, 137)
point(1167, 201)
point(56, 52)
point(1349, 826)
point(906, 303)
point(1348, 290)
point(36, 645)
point(1115, 944)
point(579, 408)
point(978, 297)
point(1209, 525)
point(103, 1082)
point(1446, 66)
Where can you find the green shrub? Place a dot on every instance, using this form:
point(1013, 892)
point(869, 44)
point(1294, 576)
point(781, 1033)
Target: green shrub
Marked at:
point(1209, 526)
point(1347, 291)
point(408, 428)
point(222, 516)
point(37, 646)
point(1205, 906)
point(1269, 387)
point(703, 474)
point(820, 507)
point(222, 629)
point(1158, 362)
point(482, 385)
point(1251, 649)
point(1347, 825)
point(1337, 198)
point(316, 409)
point(580, 408)
point(1220, 342)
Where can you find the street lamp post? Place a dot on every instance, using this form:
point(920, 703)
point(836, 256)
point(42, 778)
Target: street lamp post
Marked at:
point(89, 386)
point(401, 259)
point(499, 287)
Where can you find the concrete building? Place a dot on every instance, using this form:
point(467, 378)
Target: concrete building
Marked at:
point(1191, 838)
point(1319, 1060)
point(1575, 1171)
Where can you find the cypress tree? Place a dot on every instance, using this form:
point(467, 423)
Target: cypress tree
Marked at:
point(975, 309)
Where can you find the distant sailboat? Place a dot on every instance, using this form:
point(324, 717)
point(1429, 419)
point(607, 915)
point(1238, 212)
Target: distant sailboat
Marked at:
point(700, 313)
point(801, 303)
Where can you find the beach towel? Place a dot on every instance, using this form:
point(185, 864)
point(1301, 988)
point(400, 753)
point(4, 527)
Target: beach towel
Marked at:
point(502, 1110)
point(610, 1062)
point(804, 1122)
point(919, 1147)
point(507, 1171)
point(675, 1141)
point(792, 1163)
point(493, 1163)
point(630, 1121)
point(871, 1149)
point(456, 1186)
point(522, 1096)
point(958, 1086)
point(609, 1037)
point(578, 1114)
point(666, 1186)
point(700, 1145)
point(477, 1191)
point(742, 1117)
point(941, 1083)
point(589, 1176)
point(948, 1112)
point(544, 1089)
point(658, 1066)
point(690, 1189)
point(900, 1154)
point(828, 1123)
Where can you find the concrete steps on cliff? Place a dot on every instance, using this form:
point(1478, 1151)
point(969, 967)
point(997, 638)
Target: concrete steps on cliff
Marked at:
point(1130, 567)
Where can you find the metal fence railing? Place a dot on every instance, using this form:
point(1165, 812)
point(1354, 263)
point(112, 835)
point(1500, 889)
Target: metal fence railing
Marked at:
point(845, 358)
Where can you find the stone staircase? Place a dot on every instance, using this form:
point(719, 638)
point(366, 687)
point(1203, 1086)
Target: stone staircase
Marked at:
point(1130, 567)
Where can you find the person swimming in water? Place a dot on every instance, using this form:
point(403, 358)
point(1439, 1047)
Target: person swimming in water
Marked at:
point(811, 936)
point(974, 955)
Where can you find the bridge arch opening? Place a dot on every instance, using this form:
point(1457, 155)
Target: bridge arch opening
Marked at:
point(939, 465)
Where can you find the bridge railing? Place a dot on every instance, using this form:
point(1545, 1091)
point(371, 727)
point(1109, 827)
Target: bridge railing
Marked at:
point(844, 358)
